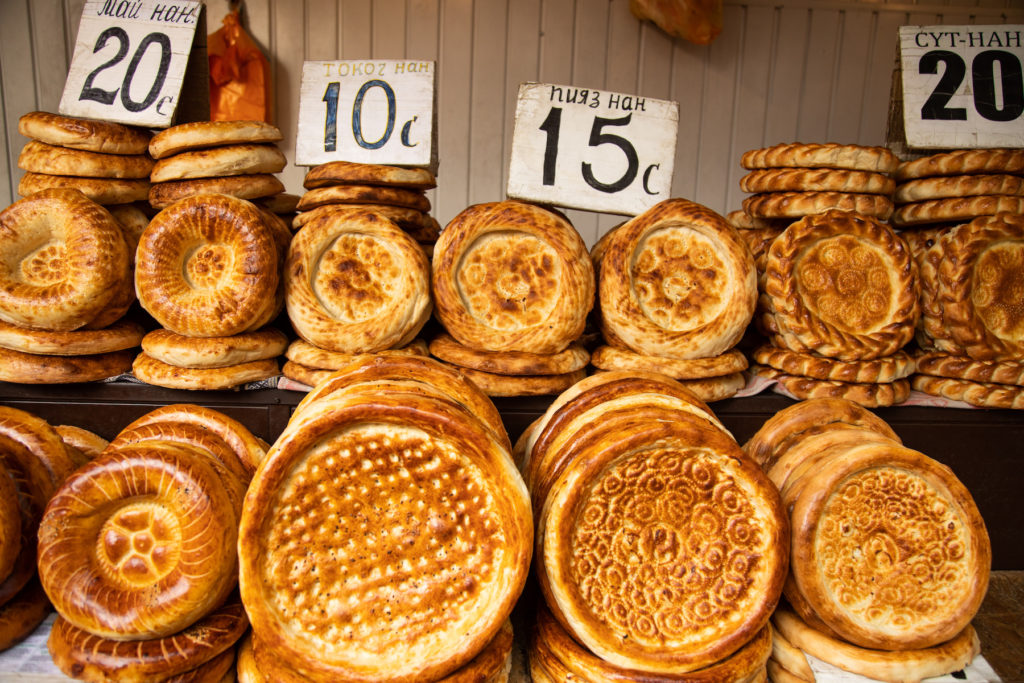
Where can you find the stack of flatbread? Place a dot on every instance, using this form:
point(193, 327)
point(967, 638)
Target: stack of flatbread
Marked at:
point(209, 271)
point(65, 289)
point(661, 548)
point(839, 299)
point(889, 558)
point(33, 463)
point(138, 551)
point(972, 330)
point(387, 533)
point(237, 158)
point(956, 187)
point(107, 162)
point(513, 285)
point(394, 191)
point(677, 288)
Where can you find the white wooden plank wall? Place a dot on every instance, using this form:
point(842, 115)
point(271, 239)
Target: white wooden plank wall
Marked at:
point(807, 70)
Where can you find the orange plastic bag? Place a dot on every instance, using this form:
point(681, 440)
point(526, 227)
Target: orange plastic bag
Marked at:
point(239, 75)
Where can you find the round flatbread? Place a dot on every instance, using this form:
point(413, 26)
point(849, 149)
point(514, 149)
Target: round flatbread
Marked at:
point(421, 226)
point(827, 155)
point(351, 173)
point(363, 194)
point(955, 209)
point(494, 384)
point(200, 134)
point(816, 180)
point(216, 162)
point(99, 190)
point(214, 352)
point(89, 444)
point(741, 220)
point(885, 369)
point(796, 204)
point(162, 195)
point(870, 395)
point(39, 157)
point(87, 134)
point(572, 358)
point(304, 353)
point(981, 394)
point(963, 161)
point(841, 285)
point(958, 186)
point(121, 335)
point(613, 358)
point(303, 374)
point(961, 367)
point(282, 203)
point(155, 372)
point(30, 368)
point(22, 614)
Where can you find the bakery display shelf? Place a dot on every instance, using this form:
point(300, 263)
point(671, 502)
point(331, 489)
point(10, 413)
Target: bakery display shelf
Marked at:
point(985, 448)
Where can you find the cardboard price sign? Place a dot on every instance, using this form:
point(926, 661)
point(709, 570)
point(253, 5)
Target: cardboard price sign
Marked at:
point(130, 60)
point(592, 149)
point(962, 86)
point(368, 111)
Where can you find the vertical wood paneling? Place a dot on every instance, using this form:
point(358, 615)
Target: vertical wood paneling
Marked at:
point(752, 98)
point(421, 42)
point(783, 109)
point(388, 29)
point(522, 65)
point(454, 78)
point(818, 76)
point(321, 44)
point(851, 77)
point(487, 88)
point(50, 65)
point(287, 26)
point(19, 94)
point(355, 29)
point(882, 51)
point(689, 74)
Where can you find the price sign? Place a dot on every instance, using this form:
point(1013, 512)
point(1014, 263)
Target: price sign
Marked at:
point(367, 111)
point(962, 86)
point(592, 149)
point(131, 59)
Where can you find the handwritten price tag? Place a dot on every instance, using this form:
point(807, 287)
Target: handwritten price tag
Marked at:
point(592, 149)
point(962, 86)
point(367, 111)
point(130, 60)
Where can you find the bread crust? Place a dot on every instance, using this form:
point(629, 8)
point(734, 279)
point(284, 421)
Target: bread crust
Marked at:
point(100, 190)
point(31, 368)
point(421, 226)
point(981, 394)
point(94, 136)
point(573, 357)
point(22, 614)
point(351, 173)
point(869, 395)
point(214, 352)
point(817, 180)
point(201, 134)
point(10, 523)
point(86, 442)
point(796, 204)
point(302, 352)
point(39, 157)
point(939, 364)
point(963, 161)
point(162, 195)
point(923, 189)
point(363, 194)
point(817, 155)
point(885, 369)
point(228, 160)
point(613, 358)
point(960, 209)
point(494, 384)
point(155, 372)
point(124, 334)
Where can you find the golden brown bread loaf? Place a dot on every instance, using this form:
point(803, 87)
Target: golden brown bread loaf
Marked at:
point(796, 204)
point(31, 368)
point(162, 195)
point(573, 357)
point(955, 209)
point(822, 155)
point(99, 190)
point(421, 226)
point(816, 180)
point(511, 276)
point(963, 161)
point(202, 134)
point(869, 394)
point(87, 134)
point(121, 335)
point(214, 352)
point(363, 194)
point(613, 358)
point(350, 173)
point(39, 157)
point(218, 162)
point(82, 441)
point(494, 384)
point(10, 523)
point(156, 372)
point(22, 614)
point(960, 367)
point(884, 369)
point(958, 186)
point(981, 394)
point(304, 353)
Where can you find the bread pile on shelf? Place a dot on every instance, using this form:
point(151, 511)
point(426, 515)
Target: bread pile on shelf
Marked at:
point(387, 533)
point(310, 364)
point(64, 291)
point(677, 288)
point(33, 463)
point(889, 559)
point(512, 285)
point(661, 548)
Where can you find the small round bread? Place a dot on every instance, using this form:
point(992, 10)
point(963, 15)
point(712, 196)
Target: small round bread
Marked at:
point(961, 162)
point(363, 194)
point(421, 226)
point(303, 374)
point(155, 372)
point(868, 394)
point(960, 367)
point(214, 352)
point(816, 180)
point(981, 394)
point(356, 283)
point(301, 351)
point(959, 209)
point(87, 134)
point(124, 334)
point(31, 368)
point(981, 287)
point(140, 542)
point(511, 276)
point(711, 389)
point(22, 614)
point(201, 134)
point(796, 204)
point(162, 195)
point(889, 548)
point(39, 157)
point(88, 657)
point(229, 160)
point(494, 384)
point(62, 257)
point(99, 190)
point(827, 155)
point(842, 285)
point(885, 369)
point(207, 266)
point(613, 358)
point(351, 173)
point(958, 186)
point(573, 357)
point(676, 281)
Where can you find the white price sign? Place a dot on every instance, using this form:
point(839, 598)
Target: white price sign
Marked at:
point(962, 86)
point(592, 149)
point(367, 111)
point(130, 60)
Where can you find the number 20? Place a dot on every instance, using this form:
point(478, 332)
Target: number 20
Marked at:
point(982, 80)
point(90, 92)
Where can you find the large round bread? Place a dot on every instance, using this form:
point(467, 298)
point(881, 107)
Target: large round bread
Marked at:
point(363, 194)
point(22, 614)
point(351, 173)
point(796, 204)
point(818, 155)
point(201, 134)
point(961, 367)
point(573, 357)
point(958, 186)
point(214, 352)
point(62, 259)
point(676, 281)
point(613, 358)
point(121, 335)
point(216, 162)
point(415, 561)
point(955, 209)
point(495, 384)
point(207, 266)
point(816, 180)
point(100, 190)
point(140, 543)
point(356, 283)
point(962, 162)
point(842, 285)
point(156, 372)
point(884, 369)
point(304, 353)
point(162, 195)
point(39, 157)
point(33, 368)
point(91, 135)
point(981, 394)
point(868, 394)
point(511, 276)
